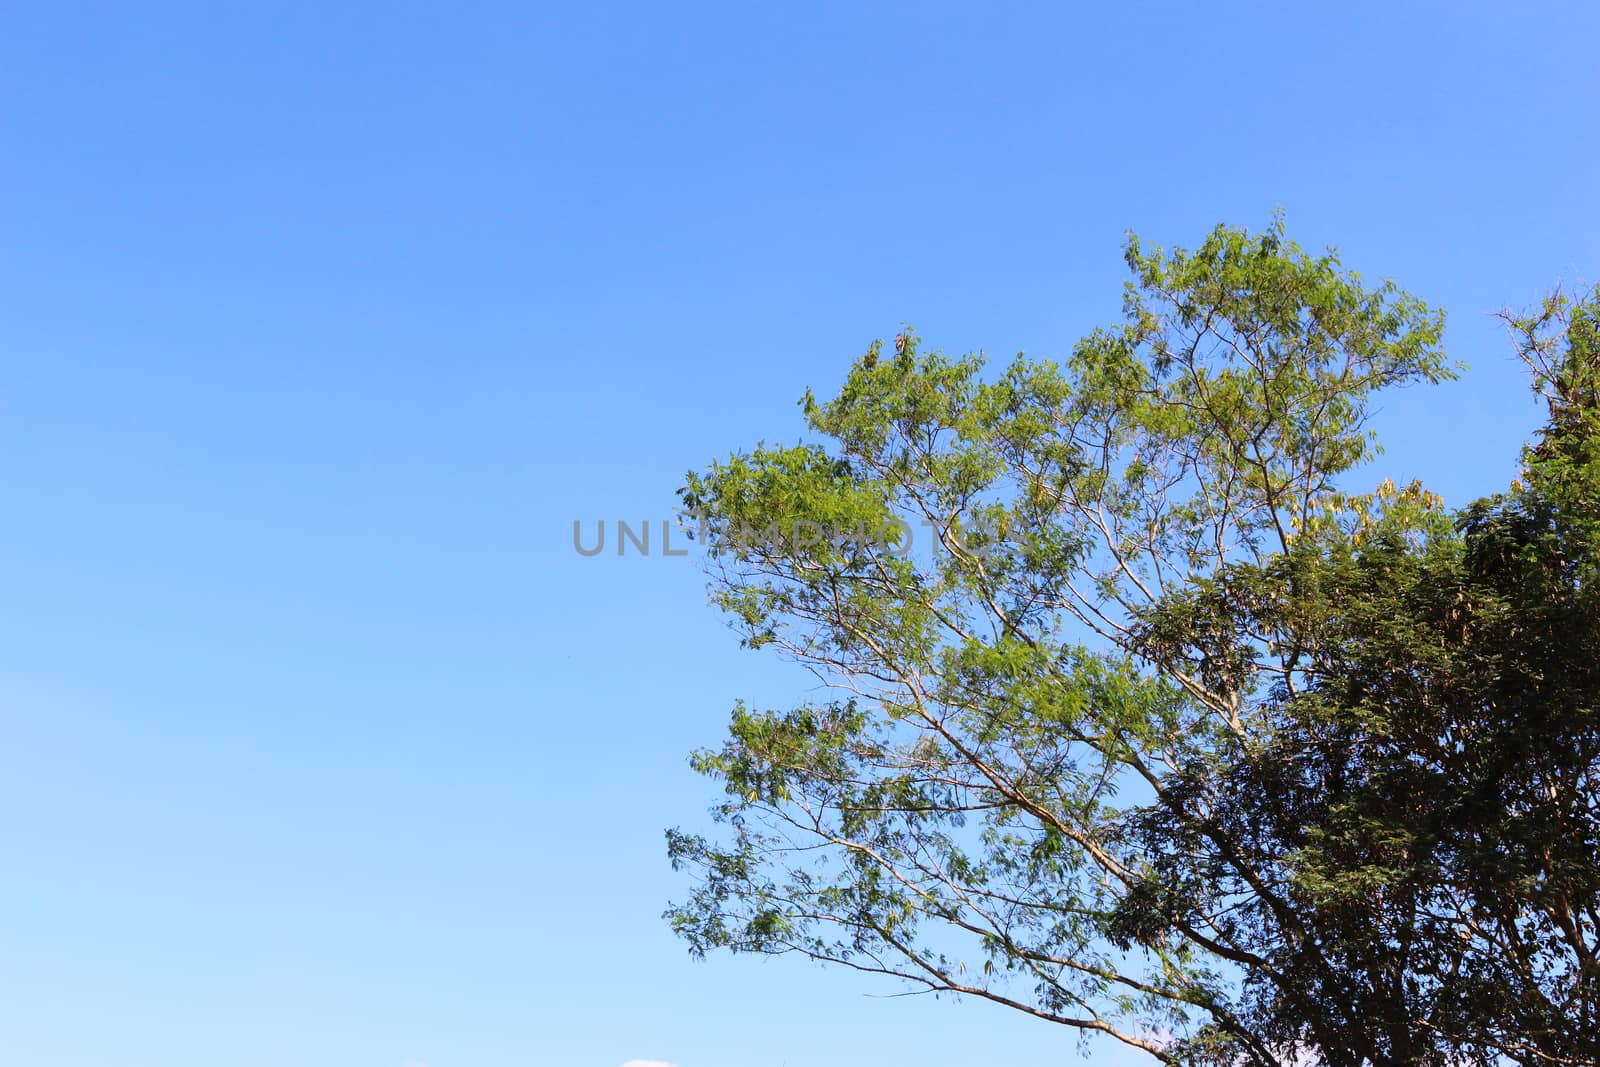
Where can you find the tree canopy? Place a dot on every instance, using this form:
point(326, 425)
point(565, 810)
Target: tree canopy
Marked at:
point(1173, 737)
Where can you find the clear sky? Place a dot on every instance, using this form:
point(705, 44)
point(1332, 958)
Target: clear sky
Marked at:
point(320, 324)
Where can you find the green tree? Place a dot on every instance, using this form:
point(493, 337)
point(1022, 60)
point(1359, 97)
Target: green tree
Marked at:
point(1132, 743)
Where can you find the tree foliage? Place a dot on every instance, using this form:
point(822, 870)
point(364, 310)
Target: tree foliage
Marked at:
point(1167, 737)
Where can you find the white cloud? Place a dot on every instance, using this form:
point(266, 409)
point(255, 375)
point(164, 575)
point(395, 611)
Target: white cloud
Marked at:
point(648, 1063)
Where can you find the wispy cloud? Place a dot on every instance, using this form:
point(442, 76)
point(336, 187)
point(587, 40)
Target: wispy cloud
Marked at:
point(648, 1063)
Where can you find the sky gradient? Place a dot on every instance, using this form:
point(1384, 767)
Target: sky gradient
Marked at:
point(320, 325)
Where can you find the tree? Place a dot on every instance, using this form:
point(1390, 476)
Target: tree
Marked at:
point(1135, 748)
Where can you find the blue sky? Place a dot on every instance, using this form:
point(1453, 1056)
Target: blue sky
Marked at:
point(319, 326)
